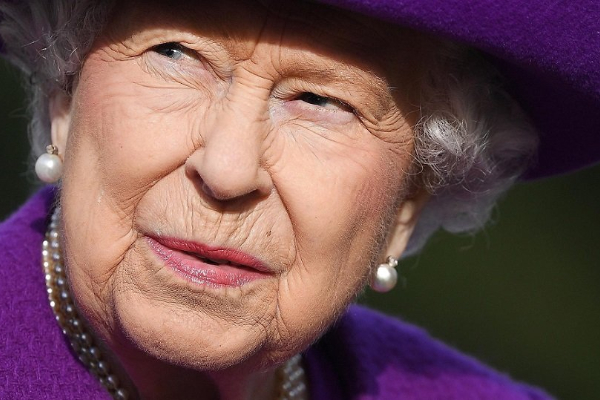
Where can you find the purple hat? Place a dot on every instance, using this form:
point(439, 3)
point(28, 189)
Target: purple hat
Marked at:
point(549, 51)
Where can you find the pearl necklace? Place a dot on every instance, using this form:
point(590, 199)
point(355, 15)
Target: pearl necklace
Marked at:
point(291, 375)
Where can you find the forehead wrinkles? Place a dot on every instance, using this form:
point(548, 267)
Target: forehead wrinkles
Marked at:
point(238, 25)
point(242, 24)
point(297, 26)
point(310, 38)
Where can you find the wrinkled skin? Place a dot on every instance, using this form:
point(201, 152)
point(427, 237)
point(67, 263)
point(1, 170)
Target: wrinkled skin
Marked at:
point(222, 141)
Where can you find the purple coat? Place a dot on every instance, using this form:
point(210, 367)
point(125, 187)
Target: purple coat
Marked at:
point(364, 356)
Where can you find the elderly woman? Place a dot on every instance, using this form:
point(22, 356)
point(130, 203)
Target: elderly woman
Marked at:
point(230, 175)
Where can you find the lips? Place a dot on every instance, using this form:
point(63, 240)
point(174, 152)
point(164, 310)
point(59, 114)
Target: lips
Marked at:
point(207, 265)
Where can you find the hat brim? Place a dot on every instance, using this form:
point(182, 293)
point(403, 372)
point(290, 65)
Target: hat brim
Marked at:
point(548, 51)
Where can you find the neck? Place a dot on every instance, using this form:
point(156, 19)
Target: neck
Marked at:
point(150, 379)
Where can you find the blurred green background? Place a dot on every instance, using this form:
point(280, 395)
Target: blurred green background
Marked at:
point(522, 296)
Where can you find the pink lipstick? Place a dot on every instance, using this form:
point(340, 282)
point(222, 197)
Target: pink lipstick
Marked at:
point(206, 265)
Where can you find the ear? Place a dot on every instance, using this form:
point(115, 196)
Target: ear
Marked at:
point(406, 220)
point(60, 120)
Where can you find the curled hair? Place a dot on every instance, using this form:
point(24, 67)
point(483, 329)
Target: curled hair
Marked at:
point(471, 142)
point(48, 41)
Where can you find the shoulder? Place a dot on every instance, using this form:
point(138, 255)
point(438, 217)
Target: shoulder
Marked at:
point(26, 225)
point(21, 275)
point(379, 357)
point(35, 361)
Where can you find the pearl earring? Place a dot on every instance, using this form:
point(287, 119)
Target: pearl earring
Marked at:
point(48, 166)
point(386, 276)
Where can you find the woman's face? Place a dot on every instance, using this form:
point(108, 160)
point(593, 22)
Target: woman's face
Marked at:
point(231, 174)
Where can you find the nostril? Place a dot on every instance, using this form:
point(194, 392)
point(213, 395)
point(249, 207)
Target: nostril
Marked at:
point(211, 192)
point(207, 190)
point(199, 183)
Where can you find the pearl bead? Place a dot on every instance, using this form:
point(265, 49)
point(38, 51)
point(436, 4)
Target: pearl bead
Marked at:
point(95, 353)
point(385, 278)
point(102, 367)
point(48, 168)
point(112, 381)
point(85, 338)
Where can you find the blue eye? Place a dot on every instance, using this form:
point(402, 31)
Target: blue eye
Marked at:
point(174, 51)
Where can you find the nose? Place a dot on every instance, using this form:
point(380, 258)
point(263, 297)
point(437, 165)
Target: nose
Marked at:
point(229, 163)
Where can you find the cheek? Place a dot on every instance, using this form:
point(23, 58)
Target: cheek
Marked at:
point(124, 137)
point(127, 135)
point(337, 203)
point(337, 188)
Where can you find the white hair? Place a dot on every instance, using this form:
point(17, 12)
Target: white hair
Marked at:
point(472, 143)
point(472, 140)
point(48, 41)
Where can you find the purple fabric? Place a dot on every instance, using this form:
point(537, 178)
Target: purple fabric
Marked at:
point(365, 356)
point(35, 359)
point(369, 356)
point(548, 50)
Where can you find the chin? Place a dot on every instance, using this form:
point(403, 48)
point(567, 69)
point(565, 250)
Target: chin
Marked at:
point(189, 338)
point(200, 327)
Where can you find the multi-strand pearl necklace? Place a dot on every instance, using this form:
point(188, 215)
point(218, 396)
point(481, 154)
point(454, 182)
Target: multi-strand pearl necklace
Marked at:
point(291, 375)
